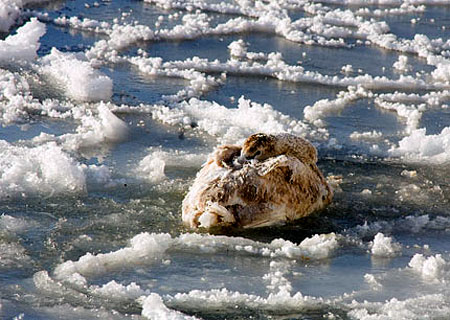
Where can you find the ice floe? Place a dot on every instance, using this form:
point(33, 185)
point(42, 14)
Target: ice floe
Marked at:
point(27, 171)
point(79, 79)
point(23, 45)
point(383, 246)
point(419, 146)
point(215, 119)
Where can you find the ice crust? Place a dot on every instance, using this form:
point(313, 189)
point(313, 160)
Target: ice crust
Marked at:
point(25, 171)
point(383, 246)
point(79, 79)
point(145, 248)
point(23, 45)
point(215, 119)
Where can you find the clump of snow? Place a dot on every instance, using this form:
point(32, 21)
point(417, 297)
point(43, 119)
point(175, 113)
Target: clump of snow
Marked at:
point(153, 308)
point(24, 44)
point(223, 300)
point(230, 125)
point(238, 49)
point(347, 69)
point(419, 146)
point(278, 284)
point(15, 97)
point(426, 306)
point(383, 246)
point(116, 291)
point(152, 167)
point(27, 171)
point(9, 13)
point(95, 129)
point(433, 268)
point(368, 135)
point(79, 80)
point(316, 112)
point(143, 248)
point(401, 64)
point(317, 247)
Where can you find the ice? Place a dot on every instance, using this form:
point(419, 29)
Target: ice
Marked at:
point(27, 171)
point(420, 147)
point(153, 308)
point(147, 248)
point(383, 246)
point(14, 256)
point(23, 45)
point(402, 64)
point(116, 291)
point(96, 129)
point(315, 112)
point(143, 248)
point(79, 79)
point(215, 119)
point(14, 97)
point(152, 167)
point(9, 13)
point(368, 135)
point(433, 305)
point(433, 268)
point(14, 225)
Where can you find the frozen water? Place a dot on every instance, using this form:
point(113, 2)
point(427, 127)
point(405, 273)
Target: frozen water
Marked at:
point(109, 108)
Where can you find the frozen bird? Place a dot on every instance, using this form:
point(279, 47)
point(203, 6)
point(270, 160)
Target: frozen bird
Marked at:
point(269, 180)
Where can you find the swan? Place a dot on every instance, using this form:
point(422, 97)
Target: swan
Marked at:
point(271, 179)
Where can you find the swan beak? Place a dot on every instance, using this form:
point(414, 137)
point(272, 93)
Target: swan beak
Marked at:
point(241, 159)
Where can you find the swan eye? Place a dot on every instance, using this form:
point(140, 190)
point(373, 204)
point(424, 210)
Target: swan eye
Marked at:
point(257, 154)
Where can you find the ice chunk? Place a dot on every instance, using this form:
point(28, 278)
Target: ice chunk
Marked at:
point(401, 64)
point(78, 78)
point(9, 12)
point(28, 171)
point(231, 125)
point(95, 129)
point(433, 268)
point(153, 308)
point(152, 167)
point(419, 146)
point(143, 248)
point(317, 247)
point(383, 246)
point(24, 44)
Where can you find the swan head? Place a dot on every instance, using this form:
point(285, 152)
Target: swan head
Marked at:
point(258, 146)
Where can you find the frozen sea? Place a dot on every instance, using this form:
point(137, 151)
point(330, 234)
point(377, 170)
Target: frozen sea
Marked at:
point(108, 109)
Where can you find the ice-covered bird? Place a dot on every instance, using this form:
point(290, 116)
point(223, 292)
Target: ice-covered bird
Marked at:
point(270, 179)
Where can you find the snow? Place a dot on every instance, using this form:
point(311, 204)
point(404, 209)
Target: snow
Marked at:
point(153, 308)
point(420, 147)
point(79, 79)
point(26, 171)
point(23, 45)
point(383, 246)
point(433, 268)
point(231, 125)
